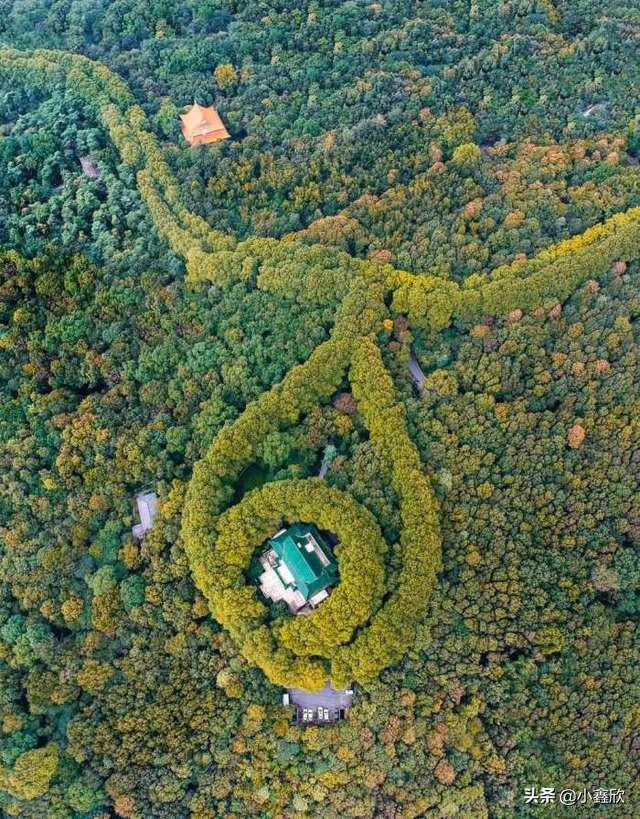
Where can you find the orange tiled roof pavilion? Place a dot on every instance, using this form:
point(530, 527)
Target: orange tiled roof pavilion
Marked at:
point(202, 125)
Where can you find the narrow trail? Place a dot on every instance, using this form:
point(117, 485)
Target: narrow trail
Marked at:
point(415, 370)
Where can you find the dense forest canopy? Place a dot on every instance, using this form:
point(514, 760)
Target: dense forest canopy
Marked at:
point(329, 103)
point(447, 139)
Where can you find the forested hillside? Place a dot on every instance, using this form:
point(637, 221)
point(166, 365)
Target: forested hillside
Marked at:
point(456, 179)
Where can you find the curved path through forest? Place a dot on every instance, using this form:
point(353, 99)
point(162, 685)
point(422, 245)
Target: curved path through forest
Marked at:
point(316, 274)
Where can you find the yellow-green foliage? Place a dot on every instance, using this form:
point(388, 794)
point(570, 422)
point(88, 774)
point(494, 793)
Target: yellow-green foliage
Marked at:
point(551, 275)
point(244, 527)
point(554, 273)
point(220, 545)
point(315, 275)
point(211, 486)
point(429, 301)
point(128, 128)
point(392, 629)
point(30, 776)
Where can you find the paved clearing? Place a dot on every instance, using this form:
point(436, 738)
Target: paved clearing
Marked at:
point(327, 697)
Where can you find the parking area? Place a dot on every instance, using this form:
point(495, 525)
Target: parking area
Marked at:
point(322, 707)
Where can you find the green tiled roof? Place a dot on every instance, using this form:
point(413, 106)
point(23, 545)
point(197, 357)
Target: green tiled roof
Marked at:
point(309, 574)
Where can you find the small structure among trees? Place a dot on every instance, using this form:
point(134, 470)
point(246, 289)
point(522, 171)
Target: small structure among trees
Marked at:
point(323, 707)
point(147, 504)
point(299, 568)
point(201, 125)
point(88, 167)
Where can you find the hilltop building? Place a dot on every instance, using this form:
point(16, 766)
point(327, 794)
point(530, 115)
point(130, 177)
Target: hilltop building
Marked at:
point(202, 125)
point(299, 568)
